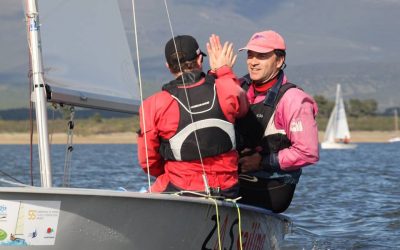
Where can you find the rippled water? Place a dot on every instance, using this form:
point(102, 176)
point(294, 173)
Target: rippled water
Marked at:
point(349, 200)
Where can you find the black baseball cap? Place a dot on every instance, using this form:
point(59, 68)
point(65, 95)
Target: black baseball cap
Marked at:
point(187, 45)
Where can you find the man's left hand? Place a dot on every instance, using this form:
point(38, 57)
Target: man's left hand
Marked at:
point(250, 163)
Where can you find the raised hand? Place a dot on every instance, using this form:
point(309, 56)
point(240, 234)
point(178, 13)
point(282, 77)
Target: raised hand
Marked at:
point(220, 55)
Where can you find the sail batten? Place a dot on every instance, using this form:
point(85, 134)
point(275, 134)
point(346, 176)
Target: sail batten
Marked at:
point(86, 57)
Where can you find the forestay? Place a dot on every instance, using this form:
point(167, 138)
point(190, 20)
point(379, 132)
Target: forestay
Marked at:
point(99, 44)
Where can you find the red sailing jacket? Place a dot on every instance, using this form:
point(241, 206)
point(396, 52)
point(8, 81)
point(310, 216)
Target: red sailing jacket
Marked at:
point(161, 114)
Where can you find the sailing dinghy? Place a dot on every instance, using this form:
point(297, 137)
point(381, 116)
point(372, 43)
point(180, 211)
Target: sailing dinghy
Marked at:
point(65, 48)
point(337, 133)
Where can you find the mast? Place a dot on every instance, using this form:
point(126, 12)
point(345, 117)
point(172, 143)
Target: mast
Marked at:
point(39, 94)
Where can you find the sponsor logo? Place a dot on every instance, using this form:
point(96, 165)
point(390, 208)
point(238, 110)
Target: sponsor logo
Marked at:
point(296, 126)
point(49, 233)
point(3, 235)
point(258, 36)
point(33, 234)
point(3, 209)
point(248, 178)
point(3, 212)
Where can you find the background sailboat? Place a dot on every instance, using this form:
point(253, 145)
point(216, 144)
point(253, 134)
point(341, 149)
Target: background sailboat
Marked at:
point(396, 127)
point(87, 63)
point(337, 133)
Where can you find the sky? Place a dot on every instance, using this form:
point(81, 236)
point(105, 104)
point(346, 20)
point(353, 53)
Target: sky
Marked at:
point(316, 31)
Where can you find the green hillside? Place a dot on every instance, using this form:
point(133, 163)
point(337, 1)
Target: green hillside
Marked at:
point(98, 125)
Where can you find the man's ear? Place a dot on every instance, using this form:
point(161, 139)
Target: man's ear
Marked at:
point(167, 66)
point(200, 60)
point(281, 61)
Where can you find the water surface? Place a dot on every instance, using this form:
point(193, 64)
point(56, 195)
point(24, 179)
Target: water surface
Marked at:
point(349, 200)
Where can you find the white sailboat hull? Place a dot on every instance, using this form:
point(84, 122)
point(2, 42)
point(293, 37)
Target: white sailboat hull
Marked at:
point(395, 139)
point(56, 218)
point(336, 145)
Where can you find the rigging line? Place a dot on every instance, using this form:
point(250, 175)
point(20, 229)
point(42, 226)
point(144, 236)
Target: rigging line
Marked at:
point(218, 225)
point(141, 93)
point(69, 147)
point(206, 186)
point(14, 183)
point(52, 126)
point(234, 201)
point(11, 177)
point(30, 75)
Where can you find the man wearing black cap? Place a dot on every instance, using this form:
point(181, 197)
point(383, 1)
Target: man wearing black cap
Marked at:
point(188, 126)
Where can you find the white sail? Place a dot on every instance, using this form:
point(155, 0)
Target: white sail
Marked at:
point(342, 130)
point(330, 131)
point(86, 58)
point(396, 128)
point(337, 133)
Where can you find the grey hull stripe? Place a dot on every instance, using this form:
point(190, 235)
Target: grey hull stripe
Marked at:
point(177, 140)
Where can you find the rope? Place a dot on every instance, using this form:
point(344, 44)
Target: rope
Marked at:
point(141, 94)
point(206, 186)
point(11, 177)
point(17, 183)
point(218, 226)
point(69, 148)
point(233, 201)
point(239, 222)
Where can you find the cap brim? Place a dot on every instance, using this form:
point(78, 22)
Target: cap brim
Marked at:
point(202, 53)
point(257, 49)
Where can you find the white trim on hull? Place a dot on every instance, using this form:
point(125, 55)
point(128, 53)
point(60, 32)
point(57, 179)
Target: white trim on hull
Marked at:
point(335, 145)
point(103, 220)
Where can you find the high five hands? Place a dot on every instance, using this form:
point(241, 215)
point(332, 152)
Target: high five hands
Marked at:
point(220, 55)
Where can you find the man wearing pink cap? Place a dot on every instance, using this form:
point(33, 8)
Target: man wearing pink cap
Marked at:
point(279, 135)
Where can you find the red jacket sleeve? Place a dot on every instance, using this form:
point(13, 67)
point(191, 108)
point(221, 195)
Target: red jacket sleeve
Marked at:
point(231, 96)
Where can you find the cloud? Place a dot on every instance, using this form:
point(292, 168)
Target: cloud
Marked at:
point(315, 30)
point(13, 45)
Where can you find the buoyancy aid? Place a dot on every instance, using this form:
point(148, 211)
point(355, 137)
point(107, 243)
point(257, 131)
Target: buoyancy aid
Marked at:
point(209, 123)
point(257, 128)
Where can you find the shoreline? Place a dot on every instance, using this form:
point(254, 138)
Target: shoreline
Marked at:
point(131, 138)
point(61, 138)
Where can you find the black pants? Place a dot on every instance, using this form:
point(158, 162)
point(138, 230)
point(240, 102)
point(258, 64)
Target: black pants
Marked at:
point(272, 194)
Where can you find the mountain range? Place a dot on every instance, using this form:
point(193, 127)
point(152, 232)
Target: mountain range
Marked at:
point(354, 42)
point(362, 80)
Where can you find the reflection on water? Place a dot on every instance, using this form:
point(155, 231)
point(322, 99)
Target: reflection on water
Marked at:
point(349, 200)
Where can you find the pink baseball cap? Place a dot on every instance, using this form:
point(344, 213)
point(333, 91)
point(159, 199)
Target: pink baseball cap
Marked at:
point(265, 41)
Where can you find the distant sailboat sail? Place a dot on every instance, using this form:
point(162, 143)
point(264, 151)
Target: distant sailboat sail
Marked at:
point(77, 43)
point(337, 133)
point(396, 127)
